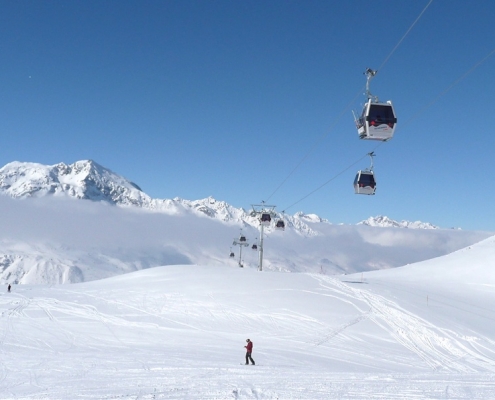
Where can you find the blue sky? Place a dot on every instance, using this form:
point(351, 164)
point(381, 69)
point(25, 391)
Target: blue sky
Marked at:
point(225, 98)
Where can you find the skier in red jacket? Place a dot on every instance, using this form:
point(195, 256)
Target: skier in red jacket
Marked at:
point(249, 350)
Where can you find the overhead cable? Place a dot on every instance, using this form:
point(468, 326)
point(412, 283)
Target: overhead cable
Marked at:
point(463, 76)
point(305, 157)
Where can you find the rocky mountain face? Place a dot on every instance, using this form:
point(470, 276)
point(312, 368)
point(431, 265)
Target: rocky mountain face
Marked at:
point(90, 181)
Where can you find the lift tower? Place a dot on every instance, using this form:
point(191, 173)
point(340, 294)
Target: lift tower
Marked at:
point(241, 242)
point(264, 213)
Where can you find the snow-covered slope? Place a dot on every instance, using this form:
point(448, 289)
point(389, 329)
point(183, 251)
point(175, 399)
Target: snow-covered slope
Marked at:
point(424, 331)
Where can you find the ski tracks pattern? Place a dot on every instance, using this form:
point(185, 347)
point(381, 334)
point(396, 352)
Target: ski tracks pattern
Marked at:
point(441, 349)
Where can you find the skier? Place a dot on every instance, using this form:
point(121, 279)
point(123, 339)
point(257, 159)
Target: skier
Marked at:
point(8, 288)
point(249, 350)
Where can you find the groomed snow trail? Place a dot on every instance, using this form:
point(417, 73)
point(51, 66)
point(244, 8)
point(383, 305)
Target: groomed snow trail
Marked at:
point(179, 332)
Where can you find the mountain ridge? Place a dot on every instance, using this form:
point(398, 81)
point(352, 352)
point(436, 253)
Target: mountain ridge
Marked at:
point(88, 180)
point(50, 238)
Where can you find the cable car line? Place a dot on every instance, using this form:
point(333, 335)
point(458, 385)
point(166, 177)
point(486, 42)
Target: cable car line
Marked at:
point(463, 76)
point(305, 157)
point(403, 37)
point(330, 180)
point(371, 121)
point(315, 145)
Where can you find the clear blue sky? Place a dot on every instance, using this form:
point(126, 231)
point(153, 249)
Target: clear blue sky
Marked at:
point(225, 98)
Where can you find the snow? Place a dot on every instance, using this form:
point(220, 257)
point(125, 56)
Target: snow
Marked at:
point(156, 309)
point(382, 221)
point(423, 331)
point(87, 179)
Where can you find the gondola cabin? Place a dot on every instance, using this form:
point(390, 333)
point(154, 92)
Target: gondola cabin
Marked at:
point(280, 225)
point(254, 247)
point(232, 255)
point(242, 239)
point(365, 183)
point(377, 122)
point(265, 219)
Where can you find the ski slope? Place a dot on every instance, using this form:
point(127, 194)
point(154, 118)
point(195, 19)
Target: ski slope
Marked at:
point(424, 331)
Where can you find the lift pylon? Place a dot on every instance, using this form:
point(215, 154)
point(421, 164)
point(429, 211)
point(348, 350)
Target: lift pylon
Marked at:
point(264, 213)
point(241, 242)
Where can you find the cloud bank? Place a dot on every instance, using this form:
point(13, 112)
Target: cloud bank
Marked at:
point(102, 240)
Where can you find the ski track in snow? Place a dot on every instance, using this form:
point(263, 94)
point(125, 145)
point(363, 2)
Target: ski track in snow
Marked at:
point(441, 349)
point(102, 346)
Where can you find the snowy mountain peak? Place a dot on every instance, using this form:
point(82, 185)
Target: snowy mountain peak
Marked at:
point(386, 222)
point(83, 180)
point(87, 179)
point(309, 217)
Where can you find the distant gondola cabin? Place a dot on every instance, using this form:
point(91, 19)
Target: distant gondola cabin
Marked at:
point(365, 183)
point(280, 225)
point(265, 219)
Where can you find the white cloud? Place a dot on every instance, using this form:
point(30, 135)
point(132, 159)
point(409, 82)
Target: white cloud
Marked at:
point(97, 236)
